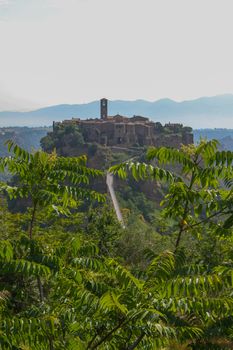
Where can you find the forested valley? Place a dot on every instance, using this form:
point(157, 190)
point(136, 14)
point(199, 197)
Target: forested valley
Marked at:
point(72, 277)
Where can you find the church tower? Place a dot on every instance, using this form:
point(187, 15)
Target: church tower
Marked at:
point(103, 108)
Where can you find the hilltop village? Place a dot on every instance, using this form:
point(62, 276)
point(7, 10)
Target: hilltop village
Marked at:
point(121, 131)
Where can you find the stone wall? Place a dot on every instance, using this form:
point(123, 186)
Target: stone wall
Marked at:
point(119, 130)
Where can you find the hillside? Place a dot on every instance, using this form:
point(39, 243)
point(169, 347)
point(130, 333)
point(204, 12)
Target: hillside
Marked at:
point(28, 138)
point(205, 112)
point(224, 136)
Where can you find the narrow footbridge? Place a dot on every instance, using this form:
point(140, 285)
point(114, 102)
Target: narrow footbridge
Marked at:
point(109, 181)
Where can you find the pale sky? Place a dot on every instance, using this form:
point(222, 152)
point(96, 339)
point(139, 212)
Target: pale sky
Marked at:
point(75, 51)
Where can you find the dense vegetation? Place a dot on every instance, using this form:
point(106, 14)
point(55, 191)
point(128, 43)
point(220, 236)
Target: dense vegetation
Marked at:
point(69, 136)
point(72, 278)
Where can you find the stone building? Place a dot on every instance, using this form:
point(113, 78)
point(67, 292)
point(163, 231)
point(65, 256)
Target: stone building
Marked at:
point(135, 131)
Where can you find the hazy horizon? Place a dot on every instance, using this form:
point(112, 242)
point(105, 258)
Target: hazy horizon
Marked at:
point(32, 107)
point(209, 112)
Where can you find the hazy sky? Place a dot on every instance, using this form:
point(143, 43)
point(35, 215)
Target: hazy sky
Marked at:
point(74, 51)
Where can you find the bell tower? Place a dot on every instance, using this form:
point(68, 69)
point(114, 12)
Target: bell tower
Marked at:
point(103, 108)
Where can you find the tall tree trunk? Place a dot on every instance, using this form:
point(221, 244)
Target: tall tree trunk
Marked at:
point(137, 341)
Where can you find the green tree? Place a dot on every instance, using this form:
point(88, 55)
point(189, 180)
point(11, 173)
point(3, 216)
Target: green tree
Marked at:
point(200, 193)
point(67, 293)
point(69, 136)
point(46, 180)
point(95, 303)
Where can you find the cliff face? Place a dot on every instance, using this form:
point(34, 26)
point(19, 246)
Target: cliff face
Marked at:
point(71, 138)
point(108, 142)
point(70, 143)
point(174, 140)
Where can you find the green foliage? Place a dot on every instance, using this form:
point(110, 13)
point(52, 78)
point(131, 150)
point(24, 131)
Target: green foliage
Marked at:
point(103, 227)
point(64, 287)
point(47, 180)
point(136, 202)
point(100, 304)
point(68, 136)
point(195, 196)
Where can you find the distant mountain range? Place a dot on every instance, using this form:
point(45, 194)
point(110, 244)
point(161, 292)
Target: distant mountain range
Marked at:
point(205, 112)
